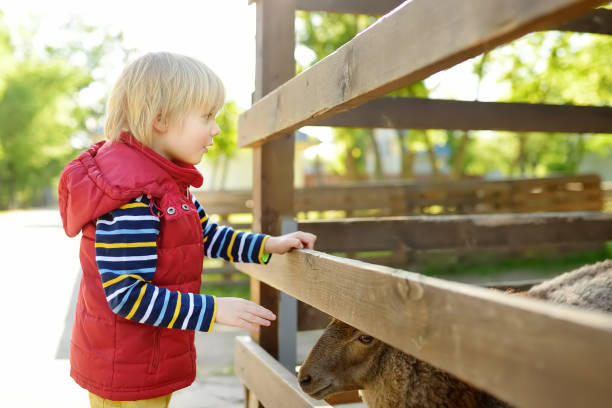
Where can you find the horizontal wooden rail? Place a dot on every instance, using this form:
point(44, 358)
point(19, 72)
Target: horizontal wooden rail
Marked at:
point(434, 35)
point(568, 193)
point(420, 113)
point(527, 352)
point(597, 22)
point(273, 385)
point(374, 8)
point(459, 231)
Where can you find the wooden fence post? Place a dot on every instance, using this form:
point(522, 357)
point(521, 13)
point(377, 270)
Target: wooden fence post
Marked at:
point(287, 316)
point(272, 162)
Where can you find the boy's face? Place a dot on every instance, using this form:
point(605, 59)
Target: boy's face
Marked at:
point(189, 140)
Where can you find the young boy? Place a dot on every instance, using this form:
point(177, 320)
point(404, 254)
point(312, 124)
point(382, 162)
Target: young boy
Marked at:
point(144, 237)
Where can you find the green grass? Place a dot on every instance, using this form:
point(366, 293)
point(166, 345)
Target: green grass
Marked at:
point(227, 291)
point(542, 265)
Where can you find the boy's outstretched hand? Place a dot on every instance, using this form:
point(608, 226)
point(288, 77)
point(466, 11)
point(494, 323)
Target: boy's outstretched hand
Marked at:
point(284, 243)
point(242, 313)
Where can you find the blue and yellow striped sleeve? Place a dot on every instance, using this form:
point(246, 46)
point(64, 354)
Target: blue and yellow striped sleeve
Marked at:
point(126, 255)
point(233, 246)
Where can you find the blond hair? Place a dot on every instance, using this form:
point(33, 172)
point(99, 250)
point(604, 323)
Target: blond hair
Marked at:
point(163, 83)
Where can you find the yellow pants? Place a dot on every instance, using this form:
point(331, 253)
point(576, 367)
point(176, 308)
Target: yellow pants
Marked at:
point(158, 402)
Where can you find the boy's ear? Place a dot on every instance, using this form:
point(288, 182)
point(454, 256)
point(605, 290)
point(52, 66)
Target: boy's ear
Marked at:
point(160, 124)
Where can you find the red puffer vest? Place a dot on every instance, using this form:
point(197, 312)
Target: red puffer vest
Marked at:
point(110, 356)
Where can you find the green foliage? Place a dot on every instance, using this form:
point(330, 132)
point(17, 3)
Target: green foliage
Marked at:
point(36, 121)
point(323, 33)
point(6, 49)
point(558, 68)
point(226, 143)
point(546, 67)
point(534, 264)
point(40, 111)
point(225, 291)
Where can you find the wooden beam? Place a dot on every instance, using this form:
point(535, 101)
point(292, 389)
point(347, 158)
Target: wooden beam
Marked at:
point(551, 194)
point(420, 113)
point(597, 22)
point(374, 8)
point(432, 36)
point(525, 351)
point(311, 318)
point(459, 231)
point(272, 163)
point(271, 383)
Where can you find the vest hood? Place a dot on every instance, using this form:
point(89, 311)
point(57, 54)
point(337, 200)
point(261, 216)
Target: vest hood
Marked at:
point(108, 175)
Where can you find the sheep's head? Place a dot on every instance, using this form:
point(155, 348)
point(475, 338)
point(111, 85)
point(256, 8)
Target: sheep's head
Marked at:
point(343, 359)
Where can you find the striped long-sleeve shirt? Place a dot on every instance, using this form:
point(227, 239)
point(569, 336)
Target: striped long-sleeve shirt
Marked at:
point(126, 255)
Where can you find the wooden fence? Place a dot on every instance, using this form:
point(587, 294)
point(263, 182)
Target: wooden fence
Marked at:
point(527, 352)
point(566, 193)
point(551, 194)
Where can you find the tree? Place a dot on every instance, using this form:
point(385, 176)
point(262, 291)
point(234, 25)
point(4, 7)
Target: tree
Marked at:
point(555, 68)
point(35, 113)
point(323, 33)
point(225, 144)
point(459, 144)
point(544, 67)
point(40, 113)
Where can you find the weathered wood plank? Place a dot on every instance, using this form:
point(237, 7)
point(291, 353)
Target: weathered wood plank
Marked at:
point(434, 35)
point(459, 231)
point(525, 351)
point(272, 383)
point(582, 193)
point(311, 318)
point(272, 176)
point(374, 8)
point(420, 113)
point(597, 22)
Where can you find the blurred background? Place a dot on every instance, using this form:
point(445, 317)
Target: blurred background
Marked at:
point(58, 61)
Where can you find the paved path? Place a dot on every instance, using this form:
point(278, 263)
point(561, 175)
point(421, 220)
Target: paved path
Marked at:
point(39, 266)
point(40, 272)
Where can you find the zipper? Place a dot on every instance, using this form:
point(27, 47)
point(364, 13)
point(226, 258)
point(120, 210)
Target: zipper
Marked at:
point(155, 357)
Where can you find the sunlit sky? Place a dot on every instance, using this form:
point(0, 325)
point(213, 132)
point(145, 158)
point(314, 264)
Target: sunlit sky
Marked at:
point(221, 33)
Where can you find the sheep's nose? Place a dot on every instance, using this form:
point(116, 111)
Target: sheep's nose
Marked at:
point(305, 380)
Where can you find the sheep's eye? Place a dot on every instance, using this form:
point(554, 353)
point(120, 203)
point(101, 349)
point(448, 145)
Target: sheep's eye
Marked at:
point(365, 339)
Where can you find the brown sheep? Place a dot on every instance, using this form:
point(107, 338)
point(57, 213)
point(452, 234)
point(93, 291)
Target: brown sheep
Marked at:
point(345, 358)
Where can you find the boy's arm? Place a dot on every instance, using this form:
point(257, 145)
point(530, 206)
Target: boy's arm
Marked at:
point(233, 246)
point(126, 255)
